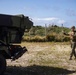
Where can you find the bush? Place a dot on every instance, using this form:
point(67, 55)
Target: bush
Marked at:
point(66, 38)
point(50, 37)
point(26, 38)
point(37, 39)
point(58, 38)
point(34, 39)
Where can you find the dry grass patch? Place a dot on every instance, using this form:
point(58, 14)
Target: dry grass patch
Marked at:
point(43, 59)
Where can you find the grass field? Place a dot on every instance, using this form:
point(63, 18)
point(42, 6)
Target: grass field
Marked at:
point(43, 59)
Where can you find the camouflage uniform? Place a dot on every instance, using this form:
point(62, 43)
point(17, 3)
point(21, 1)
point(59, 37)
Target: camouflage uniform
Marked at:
point(73, 44)
point(72, 35)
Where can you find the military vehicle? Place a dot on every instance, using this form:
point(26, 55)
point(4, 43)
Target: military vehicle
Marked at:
point(12, 28)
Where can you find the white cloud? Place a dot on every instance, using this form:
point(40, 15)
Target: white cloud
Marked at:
point(61, 21)
point(45, 19)
point(51, 20)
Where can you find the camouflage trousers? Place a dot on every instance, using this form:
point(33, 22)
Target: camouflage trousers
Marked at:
point(73, 46)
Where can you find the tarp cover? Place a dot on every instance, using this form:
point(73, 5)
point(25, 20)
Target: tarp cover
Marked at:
point(12, 27)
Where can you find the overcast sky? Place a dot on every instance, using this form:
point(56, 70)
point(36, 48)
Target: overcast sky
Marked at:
point(42, 11)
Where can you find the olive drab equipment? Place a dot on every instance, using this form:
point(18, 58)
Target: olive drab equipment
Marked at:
point(12, 28)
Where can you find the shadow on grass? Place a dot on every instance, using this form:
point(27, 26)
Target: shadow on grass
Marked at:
point(37, 70)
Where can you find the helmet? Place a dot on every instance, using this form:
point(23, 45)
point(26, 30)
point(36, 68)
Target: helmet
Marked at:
point(73, 27)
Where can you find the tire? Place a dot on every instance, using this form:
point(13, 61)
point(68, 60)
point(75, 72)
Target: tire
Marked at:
point(2, 64)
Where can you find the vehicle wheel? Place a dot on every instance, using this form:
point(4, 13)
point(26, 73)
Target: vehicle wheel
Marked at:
point(2, 64)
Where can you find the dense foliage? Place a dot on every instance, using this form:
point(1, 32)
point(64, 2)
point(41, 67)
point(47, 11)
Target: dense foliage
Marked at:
point(50, 33)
